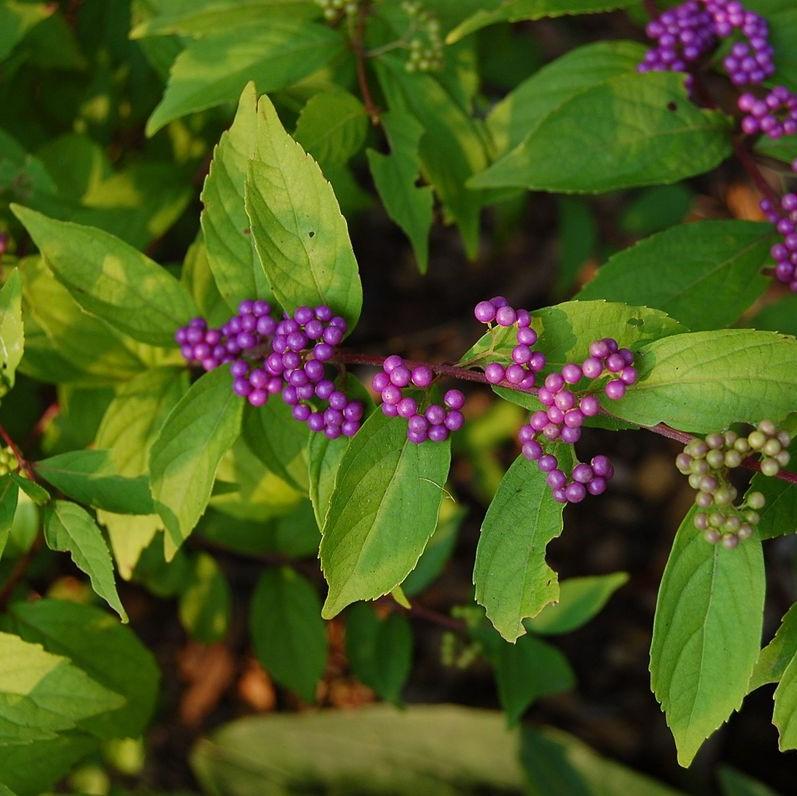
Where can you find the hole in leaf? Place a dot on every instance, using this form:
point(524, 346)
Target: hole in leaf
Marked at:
point(672, 106)
point(311, 233)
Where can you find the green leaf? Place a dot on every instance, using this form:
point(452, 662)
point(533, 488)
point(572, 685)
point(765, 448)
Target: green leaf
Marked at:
point(279, 441)
point(779, 515)
point(520, 10)
point(323, 460)
point(513, 581)
point(214, 70)
point(43, 694)
point(200, 429)
point(105, 650)
point(734, 783)
point(657, 208)
point(12, 334)
point(287, 632)
point(578, 239)
point(70, 529)
point(208, 17)
point(369, 543)
point(379, 650)
point(89, 476)
point(110, 279)
point(9, 494)
point(205, 605)
point(580, 599)
point(332, 127)
point(16, 19)
point(644, 130)
point(452, 148)
point(566, 330)
point(528, 670)
point(780, 316)
point(527, 105)
point(558, 764)
point(784, 716)
point(706, 634)
point(300, 236)
point(776, 656)
point(708, 380)
point(396, 176)
point(425, 749)
point(703, 274)
point(38, 494)
point(438, 551)
point(236, 269)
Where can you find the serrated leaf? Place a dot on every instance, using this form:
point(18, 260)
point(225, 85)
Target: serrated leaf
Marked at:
point(287, 632)
point(517, 114)
point(90, 477)
point(324, 456)
point(519, 10)
point(43, 694)
point(70, 529)
point(331, 127)
point(784, 716)
point(527, 671)
point(214, 69)
point(300, 236)
point(704, 274)
point(512, 578)
point(776, 656)
point(382, 512)
point(706, 634)
point(107, 651)
point(279, 441)
point(205, 605)
point(200, 429)
point(110, 279)
point(9, 494)
point(566, 330)
point(396, 176)
point(379, 650)
point(452, 148)
point(580, 599)
point(706, 381)
point(644, 130)
point(237, 271)
point(12, 334)
point(38, 494)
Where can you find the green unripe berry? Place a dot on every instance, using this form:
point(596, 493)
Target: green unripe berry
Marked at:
point(732, 524)
point(696, 448)
point(704, 500)
point(723, 496)
point(715, 441)
point(694, 480)
point(745, 531)
point(753, 517)
point(683, 461)
point(715, 519)
point(772, 447)
point(757, 440)
point(768, 427)
point(711, 536)
point(742, 445)
point(701, 521)
point(783, 458)
point(729, 541)
point(715, 459)
point(730, 438)
point(770, 467)
point(733, 459)
point(784, 438)
point(707, 483)
point(756, 500)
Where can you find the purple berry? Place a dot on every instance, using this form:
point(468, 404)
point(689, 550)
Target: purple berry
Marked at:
point(421, 376)
point(494, 373)
point(454, 399)
point(484, 312)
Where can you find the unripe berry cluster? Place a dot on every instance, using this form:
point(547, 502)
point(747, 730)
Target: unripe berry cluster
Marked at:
point(288, 357)
point(433, 423)
point(689, 31)
point(8, 461)
point(333, 9)
point(785, 251)
point(426, 44)
point(708, 462)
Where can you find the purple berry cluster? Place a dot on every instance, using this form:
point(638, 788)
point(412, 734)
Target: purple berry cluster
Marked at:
point(687, 32)
point(708, 462)
point(785, 251)
point(286, 357)
point(683, 35)
point(435, 422)
point(526, 363)
point(774, 115)
point(565, 414)
point(251, 328)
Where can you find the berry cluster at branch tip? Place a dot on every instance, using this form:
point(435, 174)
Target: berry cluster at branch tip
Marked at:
point(426, 43)
point(434, 422)
point(286, 357)
point(334, 9)
point(8, 461)
point(565, 411)
point(708, 462)
point(784, 252)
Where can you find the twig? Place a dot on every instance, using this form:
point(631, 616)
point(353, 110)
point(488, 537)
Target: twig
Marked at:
point(360, 56)
point(751, 167)
point(18, 573)
point(24, 464)
point(465, 374)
